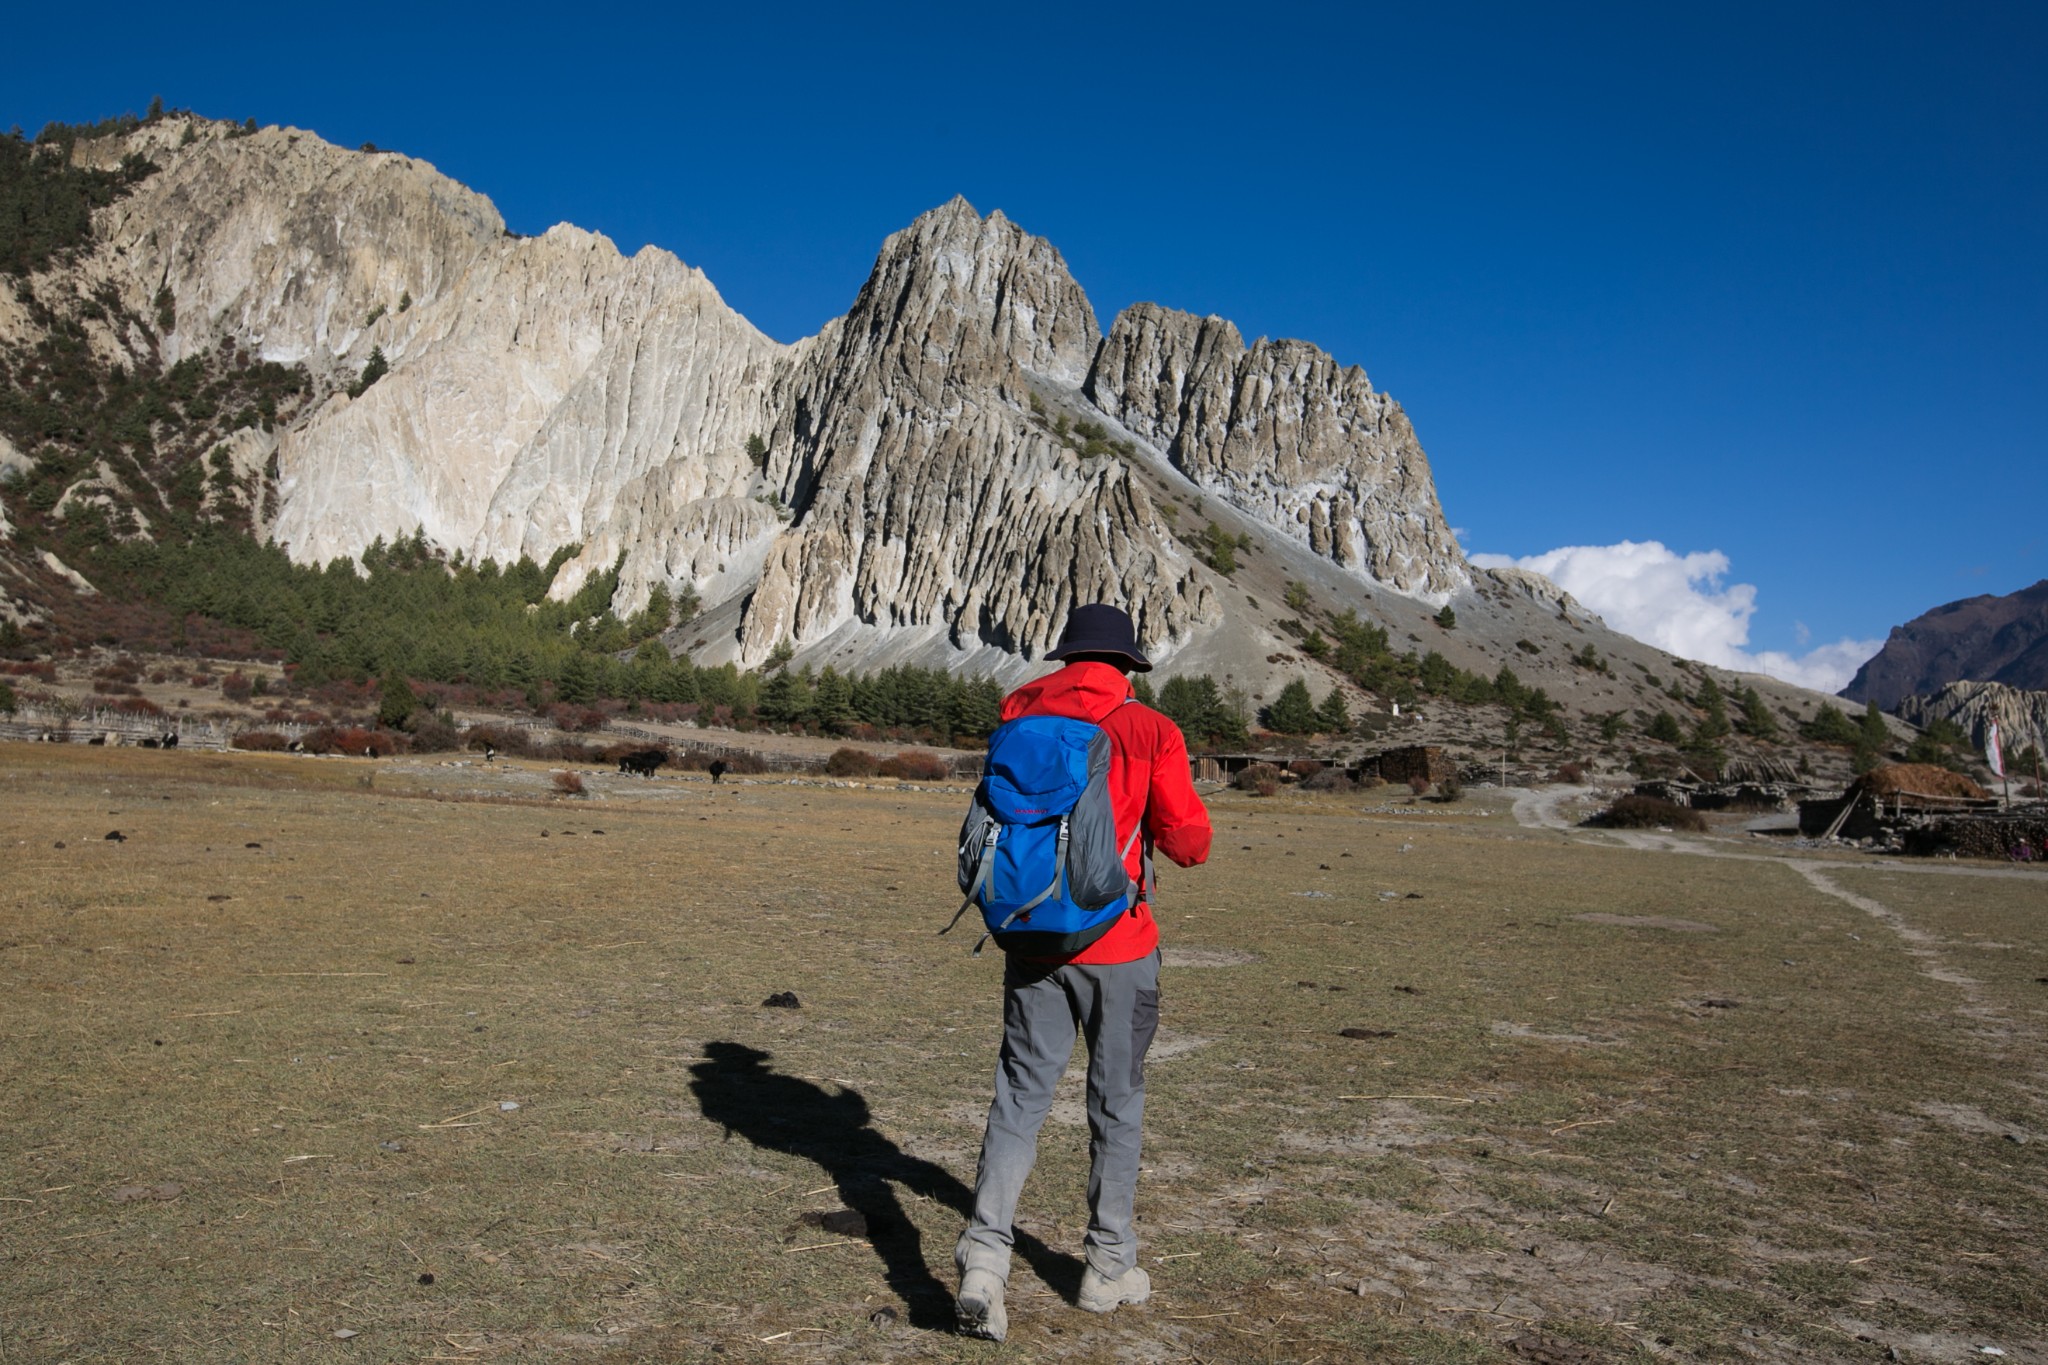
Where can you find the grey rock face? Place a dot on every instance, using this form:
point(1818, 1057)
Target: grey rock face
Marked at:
point(2022, 716)
point(1978, 639)
point(925, 496)
point(1281, 431)
point(914, 499)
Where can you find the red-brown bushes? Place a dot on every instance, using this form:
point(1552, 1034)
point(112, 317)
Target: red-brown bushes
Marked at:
point(914, 765)
point(1329, 780)
point(506, 739)
point(262, 741)
point(236, 686)
point(1648, 812)
point(136, 706)
point(1260, 779)
point(849, 762)
point(569, 784)
point(354, 741)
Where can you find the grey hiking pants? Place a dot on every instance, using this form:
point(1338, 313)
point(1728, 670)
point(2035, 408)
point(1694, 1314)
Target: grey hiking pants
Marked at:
point(1116, 1008)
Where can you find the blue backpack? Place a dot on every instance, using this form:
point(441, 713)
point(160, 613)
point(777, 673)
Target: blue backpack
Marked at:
point(1039, 851)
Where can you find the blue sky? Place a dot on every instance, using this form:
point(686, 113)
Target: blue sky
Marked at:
point(1761, 281)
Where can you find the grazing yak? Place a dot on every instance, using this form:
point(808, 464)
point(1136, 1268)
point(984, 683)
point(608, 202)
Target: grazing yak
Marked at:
point(643, 762)
point(719, 769)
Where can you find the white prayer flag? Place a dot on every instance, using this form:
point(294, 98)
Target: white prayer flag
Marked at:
point(1991, 754)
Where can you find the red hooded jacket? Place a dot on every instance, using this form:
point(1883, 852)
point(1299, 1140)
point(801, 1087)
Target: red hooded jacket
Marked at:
point(1148, 779)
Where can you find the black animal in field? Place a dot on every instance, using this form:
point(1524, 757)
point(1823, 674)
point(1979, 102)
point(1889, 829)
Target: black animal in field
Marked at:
point(719, 769)
point(642, 762)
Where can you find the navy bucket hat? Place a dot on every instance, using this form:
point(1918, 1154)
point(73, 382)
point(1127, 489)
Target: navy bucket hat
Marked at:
point(1098, 628)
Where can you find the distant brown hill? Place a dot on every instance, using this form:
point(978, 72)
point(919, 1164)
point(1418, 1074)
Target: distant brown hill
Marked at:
point(1979, 639)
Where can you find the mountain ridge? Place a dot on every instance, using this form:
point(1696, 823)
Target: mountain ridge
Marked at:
point(934, 477)
point(1990, 638)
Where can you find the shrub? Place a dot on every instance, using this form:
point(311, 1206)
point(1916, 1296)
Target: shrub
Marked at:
point(136, 706)
point(569, 784)
point(1260, 779)
point(1419, 785)
point(1450, 789)
point(262, 741)
point(433, 732)
point(1329, 780)
point(506, 739)
point(1648, 812)
point(915, 765)
point(354, 741)
point(851, 763)
point(568, 751)
point(1571, 771)
point(1305, 767)
point(236, 686)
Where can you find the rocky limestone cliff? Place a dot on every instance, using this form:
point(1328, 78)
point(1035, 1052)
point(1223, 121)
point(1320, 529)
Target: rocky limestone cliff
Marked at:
point(916, 501)
point(2022, 716)
point(925, 495)
point(1281, 431)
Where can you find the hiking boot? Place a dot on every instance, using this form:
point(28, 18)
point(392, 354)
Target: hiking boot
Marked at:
point(980, 1306)
point(1101, 1294)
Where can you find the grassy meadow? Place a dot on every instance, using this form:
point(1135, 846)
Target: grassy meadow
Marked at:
point(421, 1060)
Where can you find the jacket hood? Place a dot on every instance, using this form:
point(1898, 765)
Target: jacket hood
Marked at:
point(1083, 691)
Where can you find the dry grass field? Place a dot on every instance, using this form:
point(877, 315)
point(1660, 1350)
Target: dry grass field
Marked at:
point(332, 1060)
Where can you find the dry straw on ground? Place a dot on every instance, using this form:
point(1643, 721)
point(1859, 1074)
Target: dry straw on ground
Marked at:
point(389, 1062)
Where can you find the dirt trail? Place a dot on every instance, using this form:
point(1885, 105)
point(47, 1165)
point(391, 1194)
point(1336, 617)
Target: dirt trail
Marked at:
point(1542, 808)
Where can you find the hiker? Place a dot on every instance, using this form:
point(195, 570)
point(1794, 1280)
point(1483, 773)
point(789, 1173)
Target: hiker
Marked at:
point(1106, 987)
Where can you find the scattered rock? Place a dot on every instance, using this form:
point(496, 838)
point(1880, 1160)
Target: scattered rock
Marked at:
point(884, 1316)
point(1407, 990)
point(345, 1333)
point(1718, 1005)
point(162, 1193)
point(60, 844)
point(391, 1146)
point(252, 845)
point(115, 836)
point(1412, 896)
point(1365, 1033)
point(507, 1106)
point(403, 961)
point(426, 1277)
point(782, 1000)
point(220, 896)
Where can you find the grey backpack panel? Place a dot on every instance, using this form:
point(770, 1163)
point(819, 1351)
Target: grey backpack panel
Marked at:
point(1095, 856)
point(973, 832)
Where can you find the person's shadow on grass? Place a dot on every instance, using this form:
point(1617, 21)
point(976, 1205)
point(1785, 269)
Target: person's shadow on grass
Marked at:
point(735, 1088)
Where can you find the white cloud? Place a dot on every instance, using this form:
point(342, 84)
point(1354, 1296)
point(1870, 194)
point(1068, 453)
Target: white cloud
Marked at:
point(1679, 603)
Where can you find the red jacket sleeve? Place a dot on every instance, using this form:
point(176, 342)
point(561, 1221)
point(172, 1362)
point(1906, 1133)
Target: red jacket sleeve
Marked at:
point(1175, 818)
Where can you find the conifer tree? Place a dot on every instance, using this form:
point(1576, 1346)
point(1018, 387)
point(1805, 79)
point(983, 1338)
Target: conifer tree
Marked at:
point(1333, 717)
point(1293, 712)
